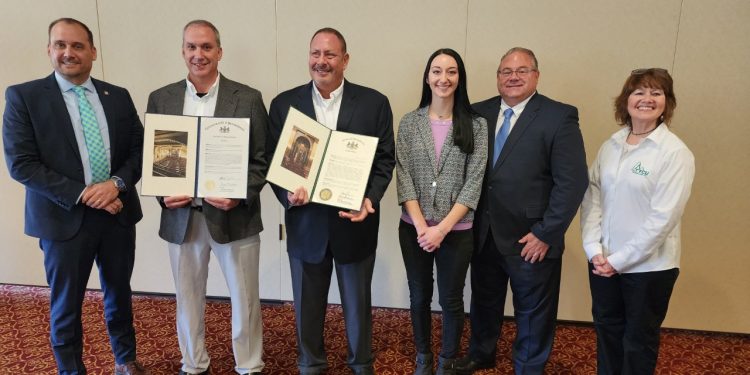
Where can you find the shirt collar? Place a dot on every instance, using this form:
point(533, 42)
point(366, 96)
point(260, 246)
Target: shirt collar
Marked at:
point(656, 136)
point(66, 85)
point(211, 91)
point(335, 94)
point(518, 108)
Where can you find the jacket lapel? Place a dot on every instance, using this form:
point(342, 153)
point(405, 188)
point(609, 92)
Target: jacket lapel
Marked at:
point(174, 102)
point(346, 111)
point(425, 136)
point(109, 110)
point(527, 117)
point(492, 108)
point(304, 102)
point(226, 101)
point(447, 149)
point(61, 111)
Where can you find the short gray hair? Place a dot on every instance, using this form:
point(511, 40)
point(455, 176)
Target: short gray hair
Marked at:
point(527, 51)
point(203, 23)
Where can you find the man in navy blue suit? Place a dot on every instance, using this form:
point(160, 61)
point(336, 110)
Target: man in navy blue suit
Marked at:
point(75, 143)
point(320, 236)
point(534, 182)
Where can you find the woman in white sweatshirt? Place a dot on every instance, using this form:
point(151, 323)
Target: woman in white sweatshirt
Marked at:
point(630, 219)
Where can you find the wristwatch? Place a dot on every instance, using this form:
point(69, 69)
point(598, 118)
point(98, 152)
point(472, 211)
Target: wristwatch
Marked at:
point(119, 184)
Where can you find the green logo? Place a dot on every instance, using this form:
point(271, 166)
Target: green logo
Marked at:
point(639, 170)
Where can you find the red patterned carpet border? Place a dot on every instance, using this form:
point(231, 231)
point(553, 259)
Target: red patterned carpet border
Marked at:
point(24, 345)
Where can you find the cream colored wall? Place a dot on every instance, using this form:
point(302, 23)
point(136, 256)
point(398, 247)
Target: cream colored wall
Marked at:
point(585, 50)
point(26, 36)
point(711, 59)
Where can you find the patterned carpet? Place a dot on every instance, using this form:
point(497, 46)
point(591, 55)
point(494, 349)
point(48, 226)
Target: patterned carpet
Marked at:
point(24, 345)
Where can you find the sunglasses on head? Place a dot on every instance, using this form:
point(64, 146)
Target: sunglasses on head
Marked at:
point(648, 70)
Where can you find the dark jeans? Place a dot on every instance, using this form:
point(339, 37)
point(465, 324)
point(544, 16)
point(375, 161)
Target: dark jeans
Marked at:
point(452, 262)
point(628, 310)
point(101, 239)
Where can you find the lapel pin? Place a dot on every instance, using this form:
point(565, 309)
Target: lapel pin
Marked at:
point(106, 92)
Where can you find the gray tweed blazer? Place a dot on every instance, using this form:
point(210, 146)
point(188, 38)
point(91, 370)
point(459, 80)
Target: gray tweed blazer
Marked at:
point(437, 187)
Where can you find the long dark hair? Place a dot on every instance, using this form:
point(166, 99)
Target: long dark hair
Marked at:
point(463, 114)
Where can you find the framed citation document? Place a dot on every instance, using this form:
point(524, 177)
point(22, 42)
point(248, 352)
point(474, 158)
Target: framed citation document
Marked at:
point(195, 156)
point(333, 166)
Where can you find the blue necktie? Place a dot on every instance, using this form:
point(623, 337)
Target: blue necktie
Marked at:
point(502, 135)
point(93, 137)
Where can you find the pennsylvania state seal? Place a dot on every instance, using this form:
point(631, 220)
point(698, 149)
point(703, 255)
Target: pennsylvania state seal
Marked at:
point(325, 194)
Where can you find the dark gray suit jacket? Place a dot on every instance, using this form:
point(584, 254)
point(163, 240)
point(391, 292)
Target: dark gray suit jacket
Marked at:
point(539, 179)
point(42, 154)
point(234, 100)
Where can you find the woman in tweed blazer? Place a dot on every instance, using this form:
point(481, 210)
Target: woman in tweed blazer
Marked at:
point(441, 153)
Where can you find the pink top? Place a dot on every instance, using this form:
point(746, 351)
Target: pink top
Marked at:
point(440, 129)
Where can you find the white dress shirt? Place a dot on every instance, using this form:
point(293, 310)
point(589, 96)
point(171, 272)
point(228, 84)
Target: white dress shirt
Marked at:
point(200, 106)
point(632, 209)
point(517, 110)
point(327, 110)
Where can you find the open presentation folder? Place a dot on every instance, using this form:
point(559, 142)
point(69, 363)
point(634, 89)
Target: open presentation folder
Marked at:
point(195, 156)
point(333, 166)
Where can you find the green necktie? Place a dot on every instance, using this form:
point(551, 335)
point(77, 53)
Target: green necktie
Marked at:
point(93, 136)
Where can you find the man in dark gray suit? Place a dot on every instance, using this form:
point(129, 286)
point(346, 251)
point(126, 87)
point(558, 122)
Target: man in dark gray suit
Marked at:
point(228, 227)
point(319, 235)
point(534, 182)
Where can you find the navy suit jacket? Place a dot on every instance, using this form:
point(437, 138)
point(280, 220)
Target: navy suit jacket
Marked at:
point(41, 153)
point(233, 100)
point(539, 179)
point(314, 227)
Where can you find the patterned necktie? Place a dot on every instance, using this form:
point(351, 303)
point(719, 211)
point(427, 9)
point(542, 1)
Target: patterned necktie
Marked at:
point(93, 137)
point(502, 135)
